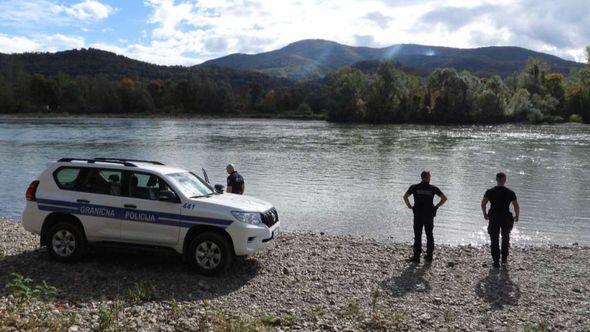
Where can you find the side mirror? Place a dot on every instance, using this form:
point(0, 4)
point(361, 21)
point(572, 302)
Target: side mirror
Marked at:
point(167, 196)
point(219, 188)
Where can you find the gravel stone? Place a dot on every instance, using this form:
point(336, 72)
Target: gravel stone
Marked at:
point(302, 282)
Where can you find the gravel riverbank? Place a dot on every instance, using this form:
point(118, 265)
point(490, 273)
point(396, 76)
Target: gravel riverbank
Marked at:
point(304, 282)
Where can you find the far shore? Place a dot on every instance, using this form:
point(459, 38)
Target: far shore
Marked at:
point(229, 116)
point(41, 115)
point(302, 282)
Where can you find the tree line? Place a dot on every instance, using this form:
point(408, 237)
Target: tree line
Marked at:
point(387, 94)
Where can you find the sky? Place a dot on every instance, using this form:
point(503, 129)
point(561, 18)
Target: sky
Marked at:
point(186, 32)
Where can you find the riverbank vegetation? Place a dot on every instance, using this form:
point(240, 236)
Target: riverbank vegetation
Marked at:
point(374, 93)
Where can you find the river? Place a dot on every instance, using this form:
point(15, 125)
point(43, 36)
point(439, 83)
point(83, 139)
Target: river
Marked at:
point(339, 179)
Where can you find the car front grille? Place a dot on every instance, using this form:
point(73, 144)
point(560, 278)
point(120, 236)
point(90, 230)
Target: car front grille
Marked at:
point(270, 217)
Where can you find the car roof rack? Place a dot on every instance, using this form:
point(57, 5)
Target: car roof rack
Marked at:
point(92, 161)
point(125, 162)
point(131, 160)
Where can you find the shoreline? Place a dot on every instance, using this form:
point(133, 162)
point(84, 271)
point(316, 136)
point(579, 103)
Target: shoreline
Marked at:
point(315, 117)
point(303, 282)
point(252, 116)
point(391, 242)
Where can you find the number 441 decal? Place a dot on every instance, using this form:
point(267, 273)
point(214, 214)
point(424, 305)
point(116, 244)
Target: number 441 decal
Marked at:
point(190, 206)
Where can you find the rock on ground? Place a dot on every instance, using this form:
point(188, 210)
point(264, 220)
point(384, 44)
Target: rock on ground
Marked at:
point(303, 282)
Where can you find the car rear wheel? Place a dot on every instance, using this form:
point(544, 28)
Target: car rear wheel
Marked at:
point(209, 253)
point(66, 242)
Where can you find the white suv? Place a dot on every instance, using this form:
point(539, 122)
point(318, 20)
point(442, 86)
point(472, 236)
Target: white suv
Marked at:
point(80, 202)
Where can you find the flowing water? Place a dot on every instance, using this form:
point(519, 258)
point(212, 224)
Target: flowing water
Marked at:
point(339, 179)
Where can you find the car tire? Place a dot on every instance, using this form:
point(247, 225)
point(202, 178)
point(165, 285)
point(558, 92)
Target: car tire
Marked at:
point(209, 254)
point(66, 242)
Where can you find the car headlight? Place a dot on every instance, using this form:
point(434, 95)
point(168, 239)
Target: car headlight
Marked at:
point(253, 218)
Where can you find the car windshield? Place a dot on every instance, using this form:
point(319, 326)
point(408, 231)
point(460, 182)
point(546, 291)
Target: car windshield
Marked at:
point(190, 185)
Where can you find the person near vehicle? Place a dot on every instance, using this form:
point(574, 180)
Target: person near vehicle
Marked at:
point(235, 182)
point(424, 213)
point(500, 218)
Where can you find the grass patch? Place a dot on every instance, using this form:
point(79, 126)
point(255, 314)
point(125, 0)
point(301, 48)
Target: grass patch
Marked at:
point(381, 319)
point(541, 326)
point(142, 292)
point(278, 321)
point(352, 310)
point(175, 309)
point(219, 322)
point(18, 317)
point(21, 288)
point(450, 315)
point(111, 317)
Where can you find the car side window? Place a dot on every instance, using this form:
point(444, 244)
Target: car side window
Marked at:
point(67, 178)
point(146, 186)
point(102, 181)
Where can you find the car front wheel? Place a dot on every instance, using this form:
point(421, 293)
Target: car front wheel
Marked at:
point(66, 242)
point(209, 253)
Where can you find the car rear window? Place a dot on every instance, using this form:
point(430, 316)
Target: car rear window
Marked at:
point(66, 177)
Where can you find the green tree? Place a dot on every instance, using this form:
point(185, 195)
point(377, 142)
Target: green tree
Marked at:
point(577, 93)
point(554, 85)
point(349, 88)
point(387, 94)
point(532, 77)
point(44, 92)
point(491, 98)
point(450, 96)
point(519, 105)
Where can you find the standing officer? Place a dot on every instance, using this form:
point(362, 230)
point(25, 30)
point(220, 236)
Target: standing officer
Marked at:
point(424, 212)
point(235, 182)
point(499, 216)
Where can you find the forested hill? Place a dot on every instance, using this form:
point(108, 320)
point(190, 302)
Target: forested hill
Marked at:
point(315, 58)
point(94, 62)
point(357, 86)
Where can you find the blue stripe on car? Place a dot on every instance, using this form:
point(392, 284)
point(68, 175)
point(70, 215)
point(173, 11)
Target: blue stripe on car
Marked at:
point(152, 217)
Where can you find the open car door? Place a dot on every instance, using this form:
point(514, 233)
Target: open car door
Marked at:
point(205, 176)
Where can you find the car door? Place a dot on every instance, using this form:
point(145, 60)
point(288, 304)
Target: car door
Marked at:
point(91, 194)
point(147, 219)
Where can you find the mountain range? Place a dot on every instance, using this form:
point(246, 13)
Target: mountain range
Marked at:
point(302, 60)
point(315, 58)
point(95, 62)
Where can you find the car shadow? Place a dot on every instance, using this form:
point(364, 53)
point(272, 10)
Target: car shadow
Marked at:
point(115, 274)
point(498, 289)
point(410, 280)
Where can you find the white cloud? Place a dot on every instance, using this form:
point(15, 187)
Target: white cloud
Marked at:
point(38, 43)
point(87, 10)
point(17, 44)
point(43, 13)
point(188, 32)
point(58, 42)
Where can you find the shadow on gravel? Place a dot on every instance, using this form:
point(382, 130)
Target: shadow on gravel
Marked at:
point(498, 289)
point(410, 280)
point(114, 274)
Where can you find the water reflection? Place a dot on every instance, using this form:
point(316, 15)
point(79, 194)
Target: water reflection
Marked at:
point(345, 179)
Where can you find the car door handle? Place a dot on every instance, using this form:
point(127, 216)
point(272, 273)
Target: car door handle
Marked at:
point(130, 206)
point(83, 201)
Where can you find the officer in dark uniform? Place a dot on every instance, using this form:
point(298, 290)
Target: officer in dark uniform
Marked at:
point(500, 219)
point(424, 213)
point(235, 182)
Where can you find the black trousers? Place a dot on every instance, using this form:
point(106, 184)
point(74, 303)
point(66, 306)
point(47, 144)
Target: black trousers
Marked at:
point(426, 222)
point(496, 227)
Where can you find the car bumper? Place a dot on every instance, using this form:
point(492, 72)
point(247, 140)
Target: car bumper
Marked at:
point(32, 218)
point(250, 240)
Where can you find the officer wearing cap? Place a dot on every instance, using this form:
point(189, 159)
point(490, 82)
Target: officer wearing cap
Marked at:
point(424, 213)
point(500, 218)
point(235, 182)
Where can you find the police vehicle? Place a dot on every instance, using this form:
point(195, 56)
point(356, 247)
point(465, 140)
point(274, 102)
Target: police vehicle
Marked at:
point(80, 202)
